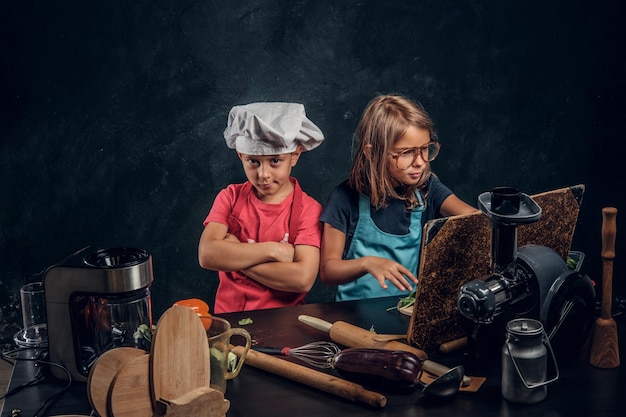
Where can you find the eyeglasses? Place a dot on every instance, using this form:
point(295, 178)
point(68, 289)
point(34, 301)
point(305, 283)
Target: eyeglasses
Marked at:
point(407, 157)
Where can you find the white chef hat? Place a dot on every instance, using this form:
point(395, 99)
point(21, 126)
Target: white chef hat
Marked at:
point(270, 129)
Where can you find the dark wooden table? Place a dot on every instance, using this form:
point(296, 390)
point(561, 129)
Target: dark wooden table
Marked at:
point(581, 390)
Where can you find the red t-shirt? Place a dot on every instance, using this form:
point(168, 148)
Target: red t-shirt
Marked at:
point(252, 220)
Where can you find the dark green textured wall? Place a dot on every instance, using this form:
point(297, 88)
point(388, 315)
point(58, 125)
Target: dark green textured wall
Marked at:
point(111, 113)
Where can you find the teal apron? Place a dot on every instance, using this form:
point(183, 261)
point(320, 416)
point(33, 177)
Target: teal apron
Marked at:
point(369, 240)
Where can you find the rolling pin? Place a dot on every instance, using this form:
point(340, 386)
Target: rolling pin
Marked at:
point(316, 379)
point(353, 336)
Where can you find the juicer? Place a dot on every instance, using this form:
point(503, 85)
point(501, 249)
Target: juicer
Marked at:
point(96, 300)
point(532, 281)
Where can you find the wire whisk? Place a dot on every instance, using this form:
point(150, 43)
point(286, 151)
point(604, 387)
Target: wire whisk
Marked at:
point(318, 354)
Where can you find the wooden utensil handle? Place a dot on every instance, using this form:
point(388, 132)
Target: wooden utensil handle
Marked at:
point(316, 379)
point(609, 231)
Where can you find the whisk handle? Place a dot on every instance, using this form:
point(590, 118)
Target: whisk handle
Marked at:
point(271, 350)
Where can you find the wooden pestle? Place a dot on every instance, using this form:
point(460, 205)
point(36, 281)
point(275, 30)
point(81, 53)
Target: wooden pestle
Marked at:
point(604, 345)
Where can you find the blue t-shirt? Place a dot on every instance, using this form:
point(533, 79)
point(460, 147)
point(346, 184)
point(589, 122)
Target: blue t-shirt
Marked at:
point(342, 209)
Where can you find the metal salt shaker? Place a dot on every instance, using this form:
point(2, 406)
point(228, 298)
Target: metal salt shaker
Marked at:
point(524, 362)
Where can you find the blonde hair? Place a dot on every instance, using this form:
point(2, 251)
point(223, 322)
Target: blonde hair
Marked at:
point(385, 120)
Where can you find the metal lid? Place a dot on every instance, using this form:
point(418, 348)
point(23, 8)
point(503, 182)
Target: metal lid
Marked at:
point(116, 257)
point(525, 327)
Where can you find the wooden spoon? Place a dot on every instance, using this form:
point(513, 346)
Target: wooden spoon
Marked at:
point(179, 361)
point(103, 372)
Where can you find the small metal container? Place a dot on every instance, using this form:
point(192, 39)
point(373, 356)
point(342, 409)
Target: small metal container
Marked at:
point(524, 362)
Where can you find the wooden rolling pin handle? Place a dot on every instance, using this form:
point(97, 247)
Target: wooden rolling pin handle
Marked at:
point(454, 345)
point(316, 379)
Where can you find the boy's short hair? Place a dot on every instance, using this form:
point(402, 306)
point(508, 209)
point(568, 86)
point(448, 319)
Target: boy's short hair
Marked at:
point(270, 129)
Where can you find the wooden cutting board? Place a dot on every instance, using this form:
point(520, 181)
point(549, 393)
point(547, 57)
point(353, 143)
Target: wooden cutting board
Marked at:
point(103, 372)
point(130, 390)
point(179, 361)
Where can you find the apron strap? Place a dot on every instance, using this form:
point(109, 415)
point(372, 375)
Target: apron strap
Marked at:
point(296, 210)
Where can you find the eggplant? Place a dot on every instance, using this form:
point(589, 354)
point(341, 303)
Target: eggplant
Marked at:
point(397, 366)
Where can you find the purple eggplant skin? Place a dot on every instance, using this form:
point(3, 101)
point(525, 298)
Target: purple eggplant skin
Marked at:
point(400, 367)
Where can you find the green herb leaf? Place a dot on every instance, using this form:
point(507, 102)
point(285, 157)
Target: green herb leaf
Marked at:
point(407, 301)
point(571, 263)
point(232, 361)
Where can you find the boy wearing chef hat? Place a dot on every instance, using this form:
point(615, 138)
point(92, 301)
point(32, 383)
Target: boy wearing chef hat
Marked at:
point(263, 236)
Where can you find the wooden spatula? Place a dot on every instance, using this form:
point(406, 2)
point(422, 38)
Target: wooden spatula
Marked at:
point(179, 360)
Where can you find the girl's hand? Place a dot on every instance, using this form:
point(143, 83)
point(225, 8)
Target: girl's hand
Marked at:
point(387, 270)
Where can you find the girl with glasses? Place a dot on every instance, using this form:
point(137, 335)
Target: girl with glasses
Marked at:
point(373, 220)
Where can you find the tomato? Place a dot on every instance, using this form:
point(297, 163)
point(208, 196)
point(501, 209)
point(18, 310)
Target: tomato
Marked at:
point(200, 307)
